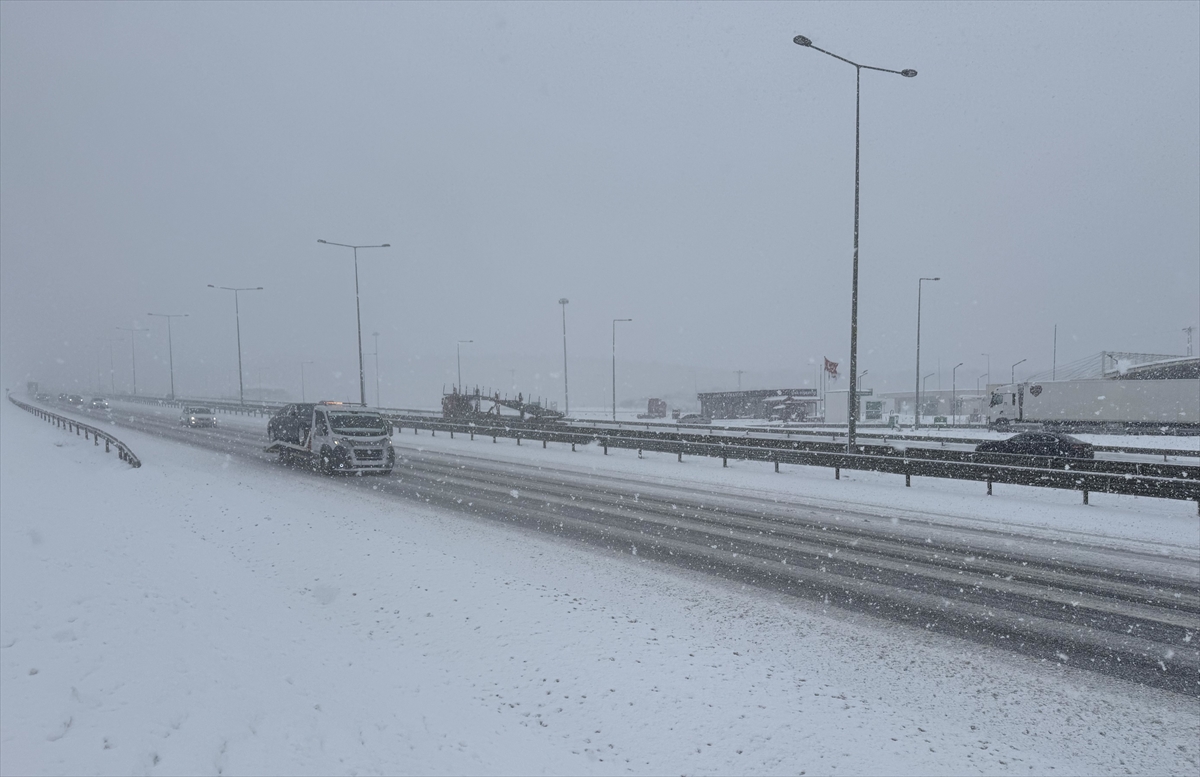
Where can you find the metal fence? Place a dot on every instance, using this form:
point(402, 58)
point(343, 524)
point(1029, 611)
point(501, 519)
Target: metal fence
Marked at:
point(88, 432)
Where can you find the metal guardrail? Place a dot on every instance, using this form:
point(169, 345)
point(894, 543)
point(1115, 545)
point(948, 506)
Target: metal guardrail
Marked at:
point(1164, 481)
point(835, 434)
point(88, 432)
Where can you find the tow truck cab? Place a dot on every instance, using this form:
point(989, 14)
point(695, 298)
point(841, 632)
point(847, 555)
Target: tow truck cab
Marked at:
point(334, 436)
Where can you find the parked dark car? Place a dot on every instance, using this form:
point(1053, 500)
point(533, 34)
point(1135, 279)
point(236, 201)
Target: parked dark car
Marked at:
point(1040, 444)
point(291, 423)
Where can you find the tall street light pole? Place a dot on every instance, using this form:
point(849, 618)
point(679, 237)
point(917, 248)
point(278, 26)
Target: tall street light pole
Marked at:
point(459, 349)
point(112, 367)
point(989, 364)
point(800, 40)
point(376, 336)
point(362, 374)
point(133, 351)
point(303, 397)
point(237, 314)
point(1013, 372)
point(917, 416)
point(566, 387)
point(980, 377)
point(954, 395)
point(170, 345)
point(614, 362)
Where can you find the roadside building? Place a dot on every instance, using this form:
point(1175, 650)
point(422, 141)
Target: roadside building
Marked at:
point(794, 404)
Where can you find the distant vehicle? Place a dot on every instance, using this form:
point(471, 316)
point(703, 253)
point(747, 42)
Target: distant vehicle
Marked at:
point(1149, 405)
point(333, 437)
point(44, 397)
point(74, 400)
point(694, 418)
point(655, 408)
point(194, 416)
point(1040, 444)
point(98, 403)
point(62, 397)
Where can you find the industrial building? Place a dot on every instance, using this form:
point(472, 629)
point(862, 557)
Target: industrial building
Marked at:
point(794, 404)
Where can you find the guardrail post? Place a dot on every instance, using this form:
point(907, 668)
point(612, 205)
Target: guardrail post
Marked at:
point(1085, 496)
point(724, 461)
point(572, 447)
point(518, 439)
point(433, 432)
point(95, 440)
point(106, 450)
point(472, 434)
point(451, 434)
point(776, 463)
point(543, 443)
point(493, 438)
point(989, 482)
point(606, 447)
point(837, 473)
point(681, 456)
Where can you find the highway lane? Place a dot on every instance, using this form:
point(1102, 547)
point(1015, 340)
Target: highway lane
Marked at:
point(1129, 614)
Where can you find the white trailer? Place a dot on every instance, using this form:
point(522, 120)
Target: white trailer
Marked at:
point(1146, 405)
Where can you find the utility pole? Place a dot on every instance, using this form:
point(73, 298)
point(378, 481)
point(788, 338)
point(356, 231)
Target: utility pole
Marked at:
point(1189, 330)
point(739, 374)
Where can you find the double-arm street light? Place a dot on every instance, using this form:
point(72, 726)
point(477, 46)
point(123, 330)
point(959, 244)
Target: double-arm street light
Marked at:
point(614, 360)
point(459, 346)
point(170, 346)
point(133, 350)
point(800, 40)
point(237, 315)
point(362, 374)
point(566, 388)
point(1013, 372)
point(917, 417)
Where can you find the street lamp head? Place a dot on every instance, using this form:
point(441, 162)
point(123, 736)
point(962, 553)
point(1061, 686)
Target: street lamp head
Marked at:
point(389, 245)
point(909, 73)
point(319, 240)
point(563, 301)
point(935, 279)
point(800, 40)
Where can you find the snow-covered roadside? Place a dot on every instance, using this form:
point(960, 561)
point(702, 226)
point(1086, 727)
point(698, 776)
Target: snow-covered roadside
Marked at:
point(1156, 525)
point(191, 617)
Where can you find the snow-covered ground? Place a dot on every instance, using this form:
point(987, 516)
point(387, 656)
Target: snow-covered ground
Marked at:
point(201, 615)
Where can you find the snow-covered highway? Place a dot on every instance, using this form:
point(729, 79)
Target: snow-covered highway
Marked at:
point(224, 613)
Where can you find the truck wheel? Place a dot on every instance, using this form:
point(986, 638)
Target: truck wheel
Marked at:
point(323, 462)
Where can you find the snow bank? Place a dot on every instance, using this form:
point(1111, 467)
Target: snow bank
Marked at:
point(200, 615)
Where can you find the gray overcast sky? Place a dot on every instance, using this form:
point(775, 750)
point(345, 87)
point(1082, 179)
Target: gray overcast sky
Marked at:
point(682, 164)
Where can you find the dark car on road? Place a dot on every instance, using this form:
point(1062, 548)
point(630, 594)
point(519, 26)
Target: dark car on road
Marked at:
point(1040, 444)
point(291, 423)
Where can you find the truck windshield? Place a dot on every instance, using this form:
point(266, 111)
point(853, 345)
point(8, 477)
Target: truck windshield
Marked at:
point(357, 423)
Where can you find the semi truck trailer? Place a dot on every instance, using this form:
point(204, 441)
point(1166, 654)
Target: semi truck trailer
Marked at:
point(1147, 406)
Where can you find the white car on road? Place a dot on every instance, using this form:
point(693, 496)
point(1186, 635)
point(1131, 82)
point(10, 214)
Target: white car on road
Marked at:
point(198, 416)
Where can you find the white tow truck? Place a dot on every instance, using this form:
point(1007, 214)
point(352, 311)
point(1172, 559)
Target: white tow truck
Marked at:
point(333, 437)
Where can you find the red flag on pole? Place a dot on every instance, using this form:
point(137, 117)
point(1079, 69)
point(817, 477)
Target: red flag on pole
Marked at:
point(831, 368)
